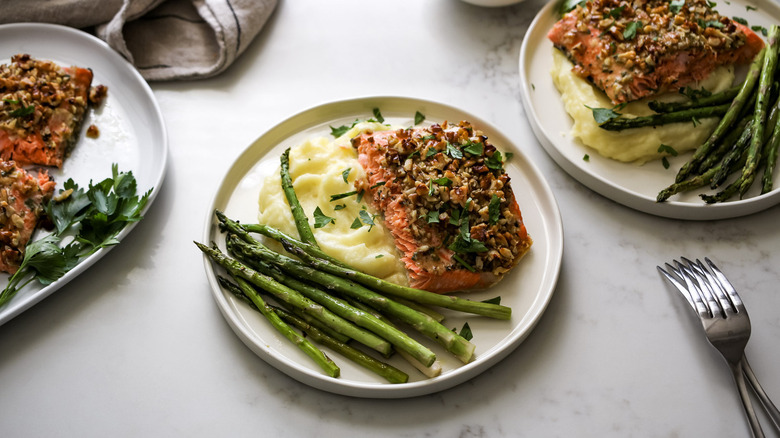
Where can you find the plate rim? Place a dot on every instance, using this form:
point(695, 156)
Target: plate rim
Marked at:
point(318, 380)
point(673, 209)
point(18, 305)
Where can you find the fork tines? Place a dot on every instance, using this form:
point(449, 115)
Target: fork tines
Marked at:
point(705, 287)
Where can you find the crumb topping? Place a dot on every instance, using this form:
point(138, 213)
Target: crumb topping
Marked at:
point(635, 36)
point(452, 184)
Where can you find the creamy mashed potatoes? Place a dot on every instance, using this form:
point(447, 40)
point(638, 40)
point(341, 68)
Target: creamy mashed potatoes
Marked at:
point(637, 144)
point(316, 168)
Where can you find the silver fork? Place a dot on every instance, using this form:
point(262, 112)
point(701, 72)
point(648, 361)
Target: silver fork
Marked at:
point(726, 324)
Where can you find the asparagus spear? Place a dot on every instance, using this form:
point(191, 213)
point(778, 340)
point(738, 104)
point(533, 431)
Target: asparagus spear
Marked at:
point(244, 288)
point(455, 344)
point(387, 371)
point(728, 119)
point(687, 115)
point(396, 337)
point(771, 159)
point(711, 100)
point(293, 298)
point(759, 116)
point(230, 286)
point(301, 221)
point(423, 297)
point(705, 178)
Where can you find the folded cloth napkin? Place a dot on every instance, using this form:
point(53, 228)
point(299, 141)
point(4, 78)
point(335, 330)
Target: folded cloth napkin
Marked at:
point(164, 39)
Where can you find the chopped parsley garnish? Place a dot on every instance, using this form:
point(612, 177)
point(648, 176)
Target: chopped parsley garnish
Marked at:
point(341, 130)
point(343, 195)
point(494, 209)
point(379, 256)
point(761, 29)
point(474, 148)
point(616, 12)
point(379, 184)
point(665, 162)
point(568, 5)
point(495, 161)
point(367, 218)
point(345, 174)
point(508, 156)
point(433, 217)
point(443, 181)
point(463, 262)
point(631, 29)
point(465, 332)
point(676, 6)
point(494, 300)
point(356, 224)
point(418, 118)
point(320, 219)
point(430, 152)
point(586, 157)
point(340, 207)
point(751, 8)
point(602, 115)
point(663, 148)
point(740, 20)
point(464, 243)
point(453, 151)
point(23, 111)
point(378, 115)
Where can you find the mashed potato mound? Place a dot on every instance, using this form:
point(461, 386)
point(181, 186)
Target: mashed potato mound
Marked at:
point(316, 168)
point(631, 145)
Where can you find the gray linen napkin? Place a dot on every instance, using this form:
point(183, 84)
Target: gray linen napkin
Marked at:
point(164, 39)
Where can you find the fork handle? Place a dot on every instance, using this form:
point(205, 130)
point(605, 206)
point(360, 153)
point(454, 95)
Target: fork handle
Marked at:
point(739, 379)
point(769, 407)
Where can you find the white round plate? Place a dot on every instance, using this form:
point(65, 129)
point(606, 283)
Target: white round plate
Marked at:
point(527, 289)
point(629, 184)
point(132, 131)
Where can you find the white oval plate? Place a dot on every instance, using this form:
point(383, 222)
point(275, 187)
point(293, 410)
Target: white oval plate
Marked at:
point(527, 289)
point(132, 131)
point(629, 184)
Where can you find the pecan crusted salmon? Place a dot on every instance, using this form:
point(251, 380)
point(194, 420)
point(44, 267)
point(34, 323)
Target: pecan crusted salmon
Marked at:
point(22, 200)
point(635, 49)
point(446, 199)
point(42, 109)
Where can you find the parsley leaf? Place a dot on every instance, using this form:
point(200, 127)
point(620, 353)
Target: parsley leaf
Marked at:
point(667, 149)
point(631, 29)
point(466, 333)
point(23, 111)
point(494, 209)
point(495, 161)
point(495, 300)
point(616, 12)
point(740, 20)
point(586, 157)
point(93, 218)
point(341, 130)
point(761, 29)
point(676, 6)
point(367, 218)
point(453, 151)
point(602, 115)
point(378, 115)
point(345, 174)
point(665, 162)
point(418, 118)
point(342, 195)
point(356, 224)
point(320, 219)
point(568, 5)
point(474, 148)
point(433, 217)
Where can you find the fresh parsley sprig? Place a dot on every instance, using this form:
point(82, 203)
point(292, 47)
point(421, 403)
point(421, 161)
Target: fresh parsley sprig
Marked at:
point(93, 218)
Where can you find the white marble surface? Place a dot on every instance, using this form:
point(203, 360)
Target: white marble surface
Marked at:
point(138, 348)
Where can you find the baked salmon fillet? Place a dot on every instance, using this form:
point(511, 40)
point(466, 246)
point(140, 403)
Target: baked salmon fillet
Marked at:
point(22, 201)
point(446, 199)
point(632, 50)
point(42, 109)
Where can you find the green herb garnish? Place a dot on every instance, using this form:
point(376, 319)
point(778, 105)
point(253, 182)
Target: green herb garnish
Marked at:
point(94, 217)
point(453, 151)
point(345, 174)
point(465, 332)
point(676, 6)
point(23, 111)
point(474, 148)
point(631, 29)
point(418, 118)
point(601, 115)
point(320, 219)
point(378, 115)
point(494, 209)
point(667, 149)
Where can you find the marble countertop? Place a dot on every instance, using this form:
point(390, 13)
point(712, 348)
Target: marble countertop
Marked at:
point(139, 348)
